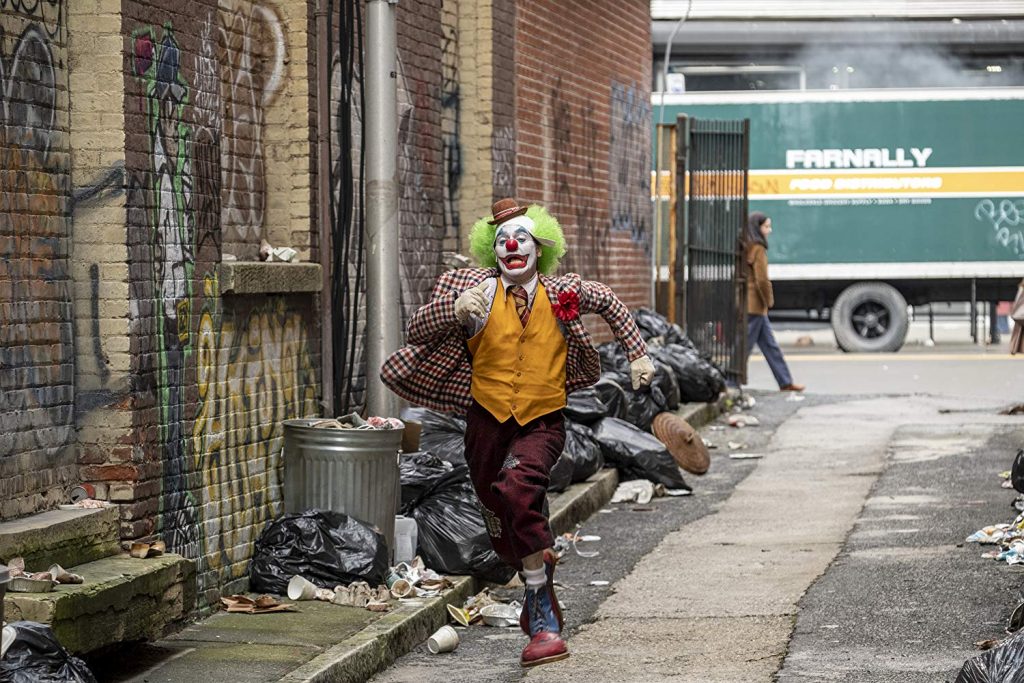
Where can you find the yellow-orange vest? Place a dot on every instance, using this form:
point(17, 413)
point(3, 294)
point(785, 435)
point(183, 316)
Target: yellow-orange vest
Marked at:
point(519, 372)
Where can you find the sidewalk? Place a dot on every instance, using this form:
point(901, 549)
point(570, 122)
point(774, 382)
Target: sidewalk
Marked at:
point(326, 642)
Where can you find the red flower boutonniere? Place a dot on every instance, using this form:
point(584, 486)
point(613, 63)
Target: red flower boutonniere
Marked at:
point(568, 306)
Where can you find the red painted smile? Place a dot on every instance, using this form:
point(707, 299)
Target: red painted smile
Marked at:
point(514, 261)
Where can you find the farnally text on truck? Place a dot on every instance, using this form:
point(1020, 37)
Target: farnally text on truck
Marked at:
point(881, 198)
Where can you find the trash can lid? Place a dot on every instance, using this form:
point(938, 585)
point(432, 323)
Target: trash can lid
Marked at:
point(5, 575)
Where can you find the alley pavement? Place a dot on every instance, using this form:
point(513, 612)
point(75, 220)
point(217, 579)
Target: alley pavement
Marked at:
point(836, 556)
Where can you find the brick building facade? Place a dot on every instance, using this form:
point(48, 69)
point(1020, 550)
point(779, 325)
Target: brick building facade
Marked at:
point(148, 145)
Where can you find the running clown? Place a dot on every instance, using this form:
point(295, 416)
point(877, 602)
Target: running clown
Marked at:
point(505, 344)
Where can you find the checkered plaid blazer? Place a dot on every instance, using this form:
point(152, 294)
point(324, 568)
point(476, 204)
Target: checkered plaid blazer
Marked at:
point(434, 369)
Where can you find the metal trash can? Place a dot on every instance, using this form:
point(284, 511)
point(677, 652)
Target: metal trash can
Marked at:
point(354, 471)
point(5, 578)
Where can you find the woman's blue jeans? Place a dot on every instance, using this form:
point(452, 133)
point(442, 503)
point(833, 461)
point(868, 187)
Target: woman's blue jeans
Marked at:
point(759, 331)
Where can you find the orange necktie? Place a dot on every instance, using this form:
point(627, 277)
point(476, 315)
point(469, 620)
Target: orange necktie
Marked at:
point(518, 293)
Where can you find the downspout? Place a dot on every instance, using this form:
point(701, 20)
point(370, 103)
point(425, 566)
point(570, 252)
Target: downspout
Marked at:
point(323, 174)
point(383, 293)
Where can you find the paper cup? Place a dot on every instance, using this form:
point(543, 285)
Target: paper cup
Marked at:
point(445, 639)
point(402, 589)
point(301, 589)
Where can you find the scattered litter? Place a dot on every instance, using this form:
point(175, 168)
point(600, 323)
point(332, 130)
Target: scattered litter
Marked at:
point(277, 254)
point(264, 604)
point(743, 455)
point(1013, 410)
point(678, 492)
point(445, 639)
point(795, 397)
point(141, 550)
point(716, 428)
point(599, 583)
point(300, 588)
point(987, 644)
point(606, 510)
point(24, 581)
point(86, 504)
point(61, 575)
point(354, 421)
point(990, 534)
point(461, 615)
point(741, 420)
point(25, 584)
point(576, 538)
point(736, 445)
point(638, 491)
point(642, 509)
point(1001, 663)
point(500, 615)
point(708, 444)
point(746, 401)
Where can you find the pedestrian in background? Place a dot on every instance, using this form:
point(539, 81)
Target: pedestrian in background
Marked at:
point(760, 299)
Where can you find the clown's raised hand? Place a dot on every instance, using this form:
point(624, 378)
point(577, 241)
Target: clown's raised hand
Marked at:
point(641, 372)
point(472, 302)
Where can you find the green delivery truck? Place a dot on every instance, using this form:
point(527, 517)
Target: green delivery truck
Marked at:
point(881, 198)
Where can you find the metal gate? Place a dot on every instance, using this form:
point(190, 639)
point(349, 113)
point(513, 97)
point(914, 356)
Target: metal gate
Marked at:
point(710, 277)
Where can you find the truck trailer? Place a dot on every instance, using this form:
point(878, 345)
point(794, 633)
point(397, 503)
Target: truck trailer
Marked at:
point(881, 198)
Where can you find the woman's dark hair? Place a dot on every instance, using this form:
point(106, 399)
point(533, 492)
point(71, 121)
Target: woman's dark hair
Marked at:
point(753, 235)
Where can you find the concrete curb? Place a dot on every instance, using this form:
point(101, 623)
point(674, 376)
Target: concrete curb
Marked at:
point(377, 646)
point(365, 653)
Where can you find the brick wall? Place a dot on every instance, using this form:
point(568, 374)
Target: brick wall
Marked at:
point(583, 133)
point(37, 458)
point(217, 158)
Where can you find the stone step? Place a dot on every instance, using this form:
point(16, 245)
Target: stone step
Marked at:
point(123, 599)
point(64, 537)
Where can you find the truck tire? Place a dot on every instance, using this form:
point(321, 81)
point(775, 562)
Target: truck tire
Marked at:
point(870, 317)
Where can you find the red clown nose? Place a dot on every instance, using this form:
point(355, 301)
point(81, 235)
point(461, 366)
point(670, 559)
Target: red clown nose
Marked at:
point(511, 245)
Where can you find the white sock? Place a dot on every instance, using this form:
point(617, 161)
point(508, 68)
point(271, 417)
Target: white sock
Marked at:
point(535, 578)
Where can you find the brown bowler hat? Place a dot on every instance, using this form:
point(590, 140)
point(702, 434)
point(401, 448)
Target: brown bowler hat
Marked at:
point(683, 442)
point(503, 209)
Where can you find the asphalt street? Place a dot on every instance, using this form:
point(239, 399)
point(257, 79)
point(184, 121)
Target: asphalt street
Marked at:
point(838, 555)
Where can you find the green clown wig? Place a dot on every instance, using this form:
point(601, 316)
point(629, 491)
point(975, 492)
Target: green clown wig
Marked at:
point(481, 240)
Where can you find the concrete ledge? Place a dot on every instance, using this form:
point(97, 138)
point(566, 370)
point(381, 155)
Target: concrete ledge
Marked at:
point(123, 599)
point(64, 537)
point(375, 647)
point(257, 277)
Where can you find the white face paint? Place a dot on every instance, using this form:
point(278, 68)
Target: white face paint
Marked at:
point(516, 250)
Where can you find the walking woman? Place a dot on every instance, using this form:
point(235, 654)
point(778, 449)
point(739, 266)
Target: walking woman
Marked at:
point(760, 299)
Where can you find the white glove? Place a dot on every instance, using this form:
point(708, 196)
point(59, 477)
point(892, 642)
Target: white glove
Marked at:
point(641, 371)
point(472, 302)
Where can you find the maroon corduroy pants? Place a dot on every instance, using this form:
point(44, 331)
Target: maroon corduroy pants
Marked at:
point(509, 464)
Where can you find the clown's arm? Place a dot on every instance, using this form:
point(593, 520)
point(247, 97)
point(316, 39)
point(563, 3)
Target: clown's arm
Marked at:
point(596, 297)
point(443, 313)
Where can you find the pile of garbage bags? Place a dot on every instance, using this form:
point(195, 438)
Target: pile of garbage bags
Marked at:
point(32, 654)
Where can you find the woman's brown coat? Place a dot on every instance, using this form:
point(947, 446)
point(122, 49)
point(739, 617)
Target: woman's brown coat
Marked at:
point(759, 288)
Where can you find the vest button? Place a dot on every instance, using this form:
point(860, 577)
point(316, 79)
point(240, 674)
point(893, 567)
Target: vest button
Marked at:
point(522, 340)
point(516, 390)
point(519, 374)
point(522, 357)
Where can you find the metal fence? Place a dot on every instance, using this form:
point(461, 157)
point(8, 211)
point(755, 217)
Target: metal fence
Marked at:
point(710, 279)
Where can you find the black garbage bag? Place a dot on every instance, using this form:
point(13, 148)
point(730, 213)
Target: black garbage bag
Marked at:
point(637, 454)
point(699, 380)
point(418, 472)
point(560, 476)
point(613, 360)
point(665, 380)
point(1002, 664)
point(1017, 472)
point(451, 535)
point(651, 323)
point(581, 458)
point(582, 449)
point(585, 406)
point(612, 395)
point(442, 434)
point(36, 656)
point(326, 547)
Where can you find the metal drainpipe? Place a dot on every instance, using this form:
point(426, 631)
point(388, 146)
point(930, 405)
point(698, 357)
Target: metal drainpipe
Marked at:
point(323, 140)
point(383, 293)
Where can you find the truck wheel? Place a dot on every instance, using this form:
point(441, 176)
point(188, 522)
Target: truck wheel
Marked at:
point(870, 317)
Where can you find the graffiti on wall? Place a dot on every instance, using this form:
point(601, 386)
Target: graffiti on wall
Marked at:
point(165, 191)
point(224, 374)
point(575, 148)
point(451, 125)
point(253, 371)
point(417, 219)
point(36, 346)
point(629, 163)
point(251, 54)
